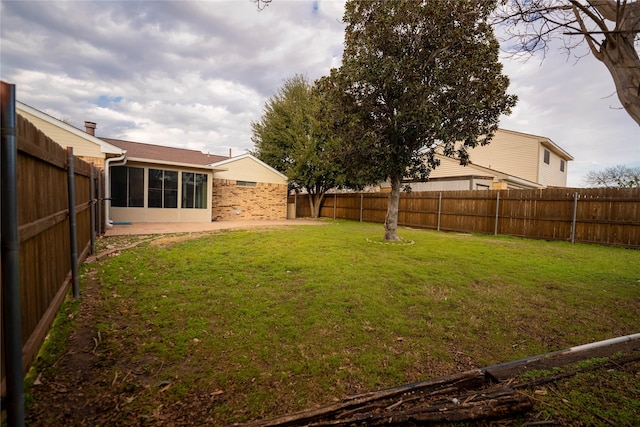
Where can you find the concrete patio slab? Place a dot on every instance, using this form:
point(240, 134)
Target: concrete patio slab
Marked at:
point(198, 227)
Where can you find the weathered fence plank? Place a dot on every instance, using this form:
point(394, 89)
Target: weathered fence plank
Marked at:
point(43, 228)
point(608, 216)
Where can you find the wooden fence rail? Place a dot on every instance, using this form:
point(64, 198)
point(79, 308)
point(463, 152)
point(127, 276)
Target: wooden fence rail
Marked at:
point(43, 229)
point(609, 216)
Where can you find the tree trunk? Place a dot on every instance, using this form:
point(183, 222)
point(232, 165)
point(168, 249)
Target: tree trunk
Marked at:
point(315, 201)
point(391, 220)
point(619, 55)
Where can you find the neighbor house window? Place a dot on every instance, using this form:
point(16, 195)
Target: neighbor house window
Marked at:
point(194, 190)
point(127, 187)
point(163, 189)
point(246, 183)
point(561, 165)
point(547, 155)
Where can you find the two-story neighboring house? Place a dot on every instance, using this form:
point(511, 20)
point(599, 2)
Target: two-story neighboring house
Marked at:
point(512, 160)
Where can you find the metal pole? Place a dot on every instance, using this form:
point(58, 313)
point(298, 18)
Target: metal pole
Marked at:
point(295, 204)
point(10, 240)
point(99, 199)
point(361, 205)
point(439, 208)
point(335, 199)
point(92, 205)
point(495, 228)
point(72, 221)
point(575, 212)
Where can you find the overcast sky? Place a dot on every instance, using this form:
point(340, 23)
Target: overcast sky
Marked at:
point(196, 74)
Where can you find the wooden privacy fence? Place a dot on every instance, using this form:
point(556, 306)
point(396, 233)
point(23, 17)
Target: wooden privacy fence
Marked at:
point(44, 230)
point(609, 216)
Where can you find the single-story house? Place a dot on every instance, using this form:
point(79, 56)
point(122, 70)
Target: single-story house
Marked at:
point(513, 160)
point(154, 183)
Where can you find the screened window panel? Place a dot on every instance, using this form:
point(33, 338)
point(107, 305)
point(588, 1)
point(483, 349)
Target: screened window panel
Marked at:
point(155, 188)
point(187, 189)
point(119, 186)
point(170, 189)
point(136, 187)
point(201, 191)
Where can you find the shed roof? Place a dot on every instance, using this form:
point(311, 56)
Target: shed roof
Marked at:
point(161, 153)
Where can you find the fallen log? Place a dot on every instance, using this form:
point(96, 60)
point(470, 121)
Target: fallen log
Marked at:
point(463, 381)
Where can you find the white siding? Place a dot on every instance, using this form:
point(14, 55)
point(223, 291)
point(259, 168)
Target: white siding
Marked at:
point(248, 169)
point(451, 167)
point(81, 147)
point(550, 174)
point(510, 152)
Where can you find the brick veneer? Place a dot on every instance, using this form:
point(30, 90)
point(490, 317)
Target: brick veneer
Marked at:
point(232, 202)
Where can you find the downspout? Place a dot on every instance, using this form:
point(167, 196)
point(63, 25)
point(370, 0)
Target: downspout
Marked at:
point(119, 161)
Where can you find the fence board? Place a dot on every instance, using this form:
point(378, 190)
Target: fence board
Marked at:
point(43, 227)
point(609, 216)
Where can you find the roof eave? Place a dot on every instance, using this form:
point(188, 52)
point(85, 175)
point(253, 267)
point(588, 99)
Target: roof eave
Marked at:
point(177, 164)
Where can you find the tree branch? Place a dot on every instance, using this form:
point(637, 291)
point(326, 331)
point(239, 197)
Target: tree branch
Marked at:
point(590, 40)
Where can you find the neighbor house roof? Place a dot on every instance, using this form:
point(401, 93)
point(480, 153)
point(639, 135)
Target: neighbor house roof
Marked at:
point(160, 153)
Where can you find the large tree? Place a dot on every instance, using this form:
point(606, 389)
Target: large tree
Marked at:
point(292, 137)
point(416, 78)
point(619, 176)
point(609, 28)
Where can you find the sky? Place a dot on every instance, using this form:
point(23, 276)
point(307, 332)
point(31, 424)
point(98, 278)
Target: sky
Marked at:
point(196, 74)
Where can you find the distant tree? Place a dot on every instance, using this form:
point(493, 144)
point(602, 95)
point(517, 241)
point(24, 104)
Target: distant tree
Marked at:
point(261, 4)
point(292, 137)
point(615, 176)
point(416, 77)
point(609, 28)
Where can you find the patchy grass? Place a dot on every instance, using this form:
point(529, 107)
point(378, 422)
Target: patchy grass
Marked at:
point(241, 325)
point(600, 393)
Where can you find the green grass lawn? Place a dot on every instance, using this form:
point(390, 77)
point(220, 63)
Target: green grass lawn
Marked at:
point(269, 322)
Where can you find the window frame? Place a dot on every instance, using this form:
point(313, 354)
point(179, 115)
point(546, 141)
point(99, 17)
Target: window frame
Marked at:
point(194, 190)
point(164, 194)
point(133, 189)
point(547, 156)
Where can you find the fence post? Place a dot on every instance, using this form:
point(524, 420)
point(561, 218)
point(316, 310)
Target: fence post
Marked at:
point(335, 199)
point(10, 256)
point(575, 212)
point(439, 209)
point(92, 206)
point(99, 200)
point(361, 205)
point(495, 228)
point(71, 189)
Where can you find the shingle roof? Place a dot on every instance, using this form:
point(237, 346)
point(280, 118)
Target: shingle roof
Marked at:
point(164, 154)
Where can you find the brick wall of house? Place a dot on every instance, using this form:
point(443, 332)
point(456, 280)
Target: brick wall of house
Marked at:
point(233, 202)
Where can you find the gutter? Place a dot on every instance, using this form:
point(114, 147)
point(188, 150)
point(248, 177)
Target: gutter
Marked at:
point(119, 161)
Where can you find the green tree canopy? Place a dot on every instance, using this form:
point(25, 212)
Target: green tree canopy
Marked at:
point(293, 138)
point(416, 78)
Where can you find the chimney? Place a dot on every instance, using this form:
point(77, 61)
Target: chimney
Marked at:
point(90, 128)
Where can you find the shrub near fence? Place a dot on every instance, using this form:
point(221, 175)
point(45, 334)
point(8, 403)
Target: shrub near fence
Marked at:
point(43, 228)
point(609, 216)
